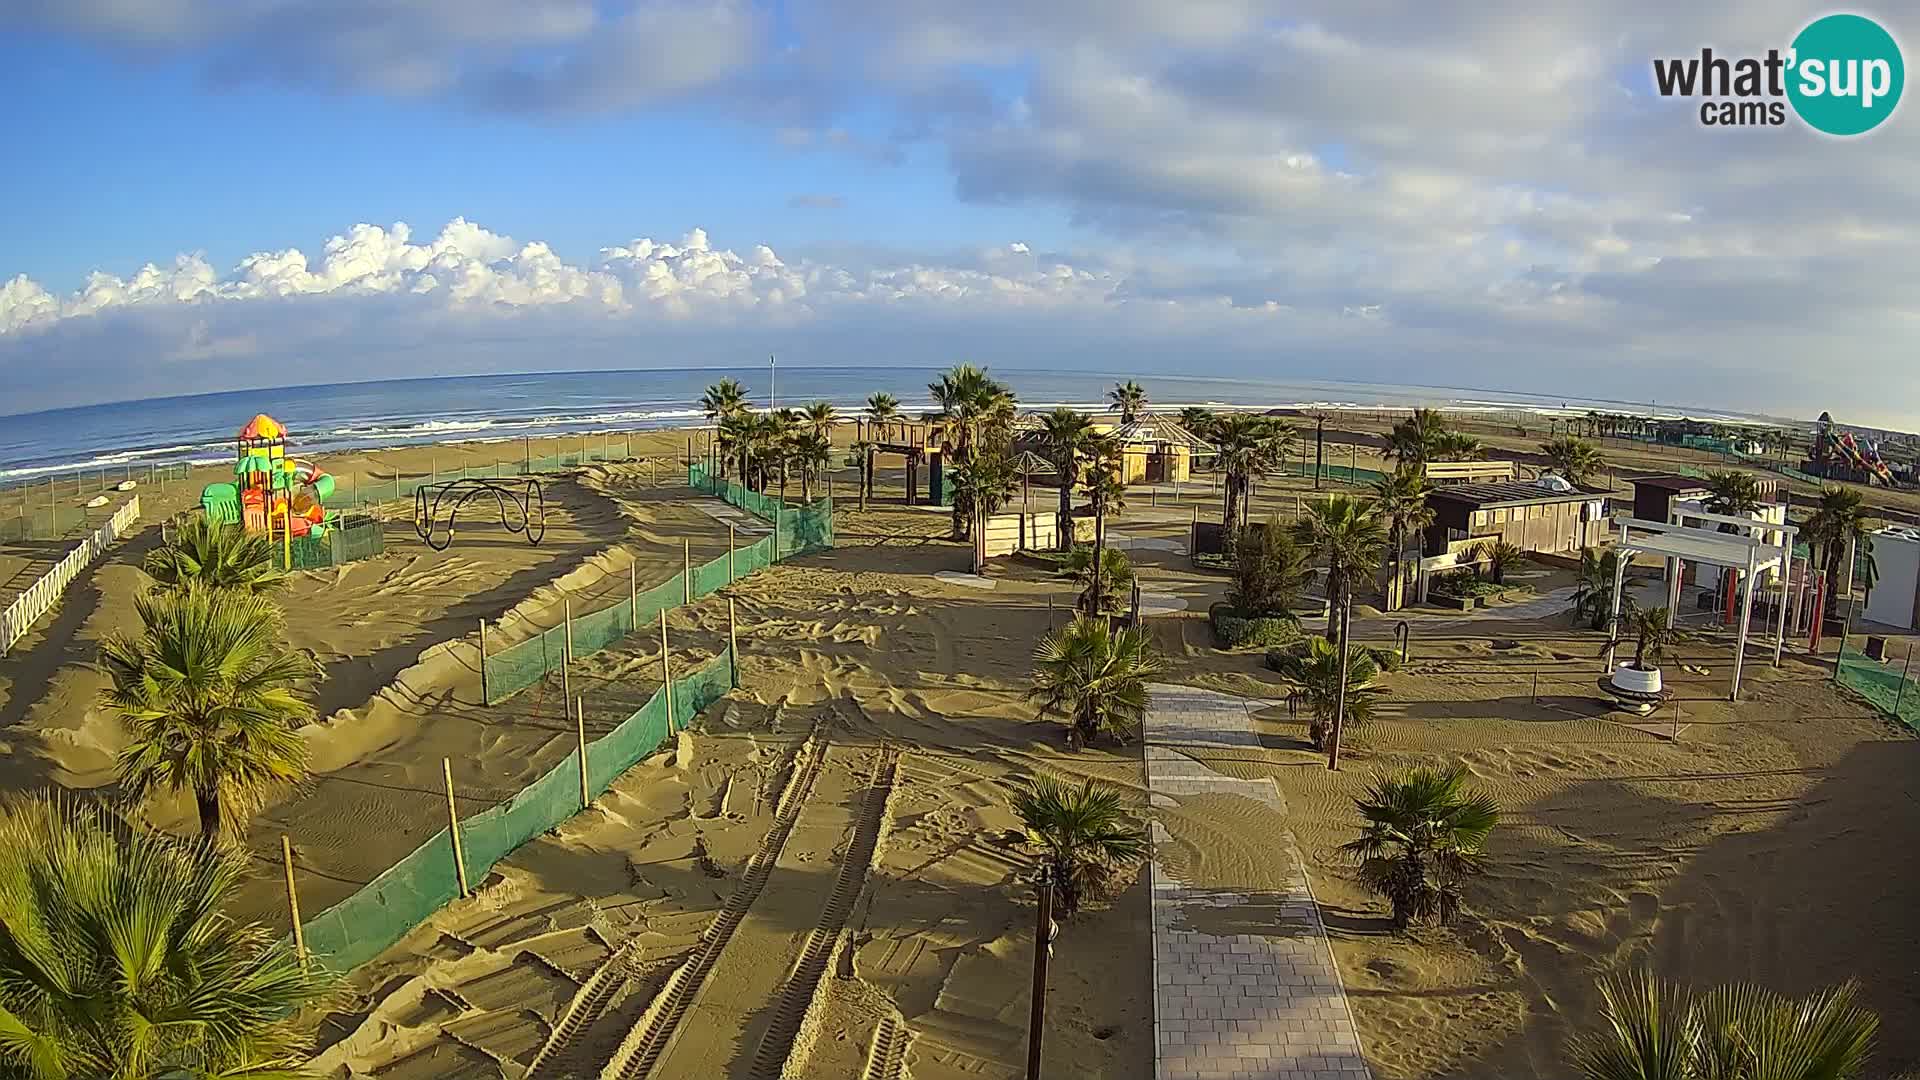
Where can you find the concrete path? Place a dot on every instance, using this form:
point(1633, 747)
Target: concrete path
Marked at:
point(1236, 1006)
point(1545, 606)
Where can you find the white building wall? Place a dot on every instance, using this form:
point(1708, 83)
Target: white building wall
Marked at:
point(1898, 558)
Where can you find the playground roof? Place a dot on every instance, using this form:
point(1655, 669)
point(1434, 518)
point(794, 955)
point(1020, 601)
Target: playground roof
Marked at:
point(1029, 462)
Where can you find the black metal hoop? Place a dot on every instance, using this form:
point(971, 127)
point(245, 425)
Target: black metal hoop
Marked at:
point(522, 505)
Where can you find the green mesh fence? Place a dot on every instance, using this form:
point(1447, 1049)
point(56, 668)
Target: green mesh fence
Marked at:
point(1884, 685)
point(800, 529)
point(372, 920)
point(347, 543)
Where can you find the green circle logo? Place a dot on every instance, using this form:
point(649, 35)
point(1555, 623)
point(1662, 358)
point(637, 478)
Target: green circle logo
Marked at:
point(1846, 75)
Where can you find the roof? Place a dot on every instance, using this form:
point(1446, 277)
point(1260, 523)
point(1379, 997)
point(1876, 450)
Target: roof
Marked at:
point(1161, 429)
point(1511, 494)
point(1036, 464)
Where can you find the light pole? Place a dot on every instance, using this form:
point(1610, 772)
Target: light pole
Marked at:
point(1340, 689)
point(773, 383)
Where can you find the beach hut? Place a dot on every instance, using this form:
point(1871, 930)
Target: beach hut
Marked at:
point(1158, 450)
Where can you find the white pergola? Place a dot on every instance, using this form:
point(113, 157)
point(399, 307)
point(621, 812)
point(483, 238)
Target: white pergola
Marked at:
point(1745, 549)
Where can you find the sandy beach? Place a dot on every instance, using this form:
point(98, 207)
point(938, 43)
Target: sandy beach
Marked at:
point(826, 858)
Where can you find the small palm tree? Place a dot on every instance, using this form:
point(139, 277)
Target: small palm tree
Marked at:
point(1412, 441)
point(1575, 458)
point(986, 483)
point(216, 554)
point(1129, 400)
point(1497, 556)
point(1094, 677)
point(1067, 435)
point(1652, 631)
point(812, 451)
point(1346, 533)
point(1401, 501)
point(1085, 834)
point(1592, 599)
point(737, 433)
point(723, 399)
point(117, 958)
point(1456, 446)
point(1653, 1030)
point(1425, 833)
point(1115, 580)
point(208, 696)
point(1312, 668)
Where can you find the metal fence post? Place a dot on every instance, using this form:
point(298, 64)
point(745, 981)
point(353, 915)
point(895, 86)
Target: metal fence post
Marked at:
point(1901, 690)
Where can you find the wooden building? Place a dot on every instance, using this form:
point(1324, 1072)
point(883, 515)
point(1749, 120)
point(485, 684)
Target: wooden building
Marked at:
point(1546, 515)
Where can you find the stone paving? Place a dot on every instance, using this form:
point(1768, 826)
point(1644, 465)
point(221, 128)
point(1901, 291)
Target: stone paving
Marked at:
point(1236, 1006)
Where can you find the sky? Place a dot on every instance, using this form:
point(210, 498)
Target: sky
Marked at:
point(204, 195)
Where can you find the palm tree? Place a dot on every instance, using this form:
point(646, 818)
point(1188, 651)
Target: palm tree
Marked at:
point(736, 434)
point(1411, 442)
point(986, 483)
point(117, 958)
point(1498, 555)
point(1313, 670)
point(1066, 435)
point(208, 696)
point(882, 409)
point(1115, 579)
point(1199, 420)
point(1401, 501)
point(723, 401)
point(1094, 677)
point(1085, 833)
point(1347, 534)
point(1839, 517)
point(1246, 445)
point(969, 408)
point(1425, 834)
point(1593, 588)
point(1575, 458)
point(1653, 1030)
point(1455, 446)
point(1129, 400)
point(1733, 493)
point(216, 554)
point(1105, 492)
point(1652, 630)
point(812, 451)
point(777, 433)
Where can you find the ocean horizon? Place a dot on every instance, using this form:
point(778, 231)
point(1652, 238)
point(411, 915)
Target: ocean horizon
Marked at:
point(489, 408)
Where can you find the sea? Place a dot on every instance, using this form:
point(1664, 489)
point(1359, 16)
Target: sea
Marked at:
point(200, 428)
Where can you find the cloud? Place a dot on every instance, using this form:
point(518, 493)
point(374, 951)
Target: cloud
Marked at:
point(816, 202)
point(1487, 194)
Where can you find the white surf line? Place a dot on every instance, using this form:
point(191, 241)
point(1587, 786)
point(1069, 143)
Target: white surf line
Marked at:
point(1233, 1005)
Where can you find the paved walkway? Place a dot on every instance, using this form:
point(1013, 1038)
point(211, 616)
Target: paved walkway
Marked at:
point(1544, 606)
point(1264, 1006)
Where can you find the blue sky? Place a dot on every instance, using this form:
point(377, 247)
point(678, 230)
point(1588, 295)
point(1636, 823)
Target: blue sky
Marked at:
point(1310, 189)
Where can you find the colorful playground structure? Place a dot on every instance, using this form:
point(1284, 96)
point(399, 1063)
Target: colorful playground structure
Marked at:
point(1837, 455)
point(271, 493)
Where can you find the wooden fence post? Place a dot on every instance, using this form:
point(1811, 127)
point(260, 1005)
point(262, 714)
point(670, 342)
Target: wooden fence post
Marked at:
point(732, 644)
point(666, 669)
point(453, 828)
point(566, 657)
point(686, 570)
point(732, 542)
point(580, 729)
point(293, 902)
point(633, 595)
point(485, 698)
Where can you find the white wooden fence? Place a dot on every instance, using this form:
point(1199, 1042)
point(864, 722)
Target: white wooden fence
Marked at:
point(35, 602)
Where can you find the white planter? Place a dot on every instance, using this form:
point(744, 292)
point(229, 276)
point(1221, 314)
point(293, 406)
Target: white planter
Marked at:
point(1632, 679)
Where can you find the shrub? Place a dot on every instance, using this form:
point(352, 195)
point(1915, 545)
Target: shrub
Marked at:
point(1235, 631)
point(1270, 571)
